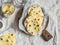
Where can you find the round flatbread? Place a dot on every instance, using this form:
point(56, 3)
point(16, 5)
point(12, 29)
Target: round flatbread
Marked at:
point(8, 39)
point(33, 21)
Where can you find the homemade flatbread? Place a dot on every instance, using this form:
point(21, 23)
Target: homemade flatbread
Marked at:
point(33, 21)
point(8, 39)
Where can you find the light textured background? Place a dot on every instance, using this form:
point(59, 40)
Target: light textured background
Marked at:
point(24, 39)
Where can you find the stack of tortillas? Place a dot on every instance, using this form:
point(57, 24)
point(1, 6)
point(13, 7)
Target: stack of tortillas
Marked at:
point(8, 39)
point(33, 22)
